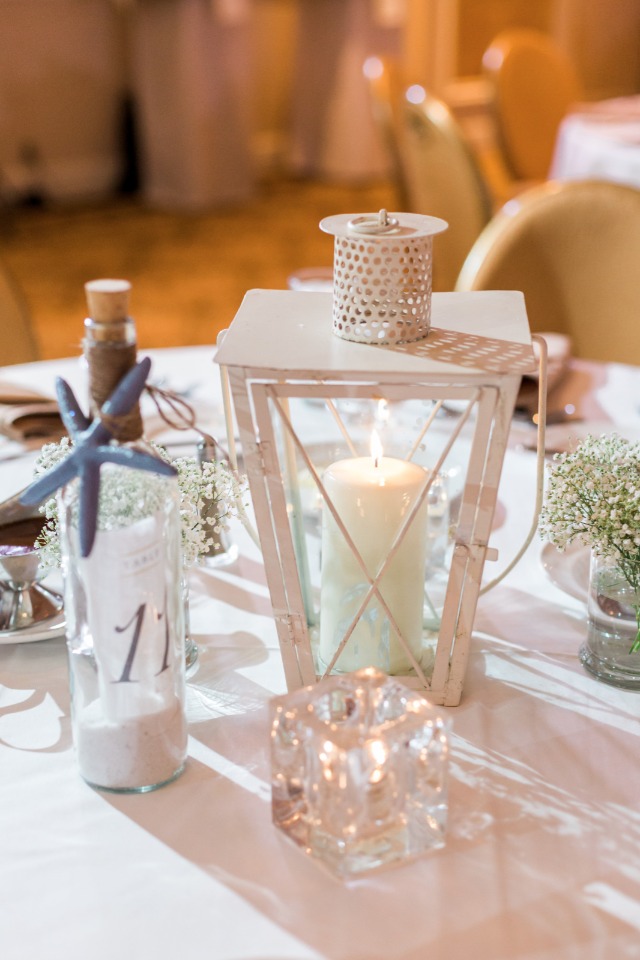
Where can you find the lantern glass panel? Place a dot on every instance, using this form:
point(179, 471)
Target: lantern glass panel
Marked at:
point(429, 434)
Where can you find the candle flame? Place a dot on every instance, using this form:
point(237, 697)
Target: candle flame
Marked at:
point(376, 448)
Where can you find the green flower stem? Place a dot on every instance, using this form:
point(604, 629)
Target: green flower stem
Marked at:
point(635, 646)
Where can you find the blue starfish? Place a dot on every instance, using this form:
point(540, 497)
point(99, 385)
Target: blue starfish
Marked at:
point(92, 449)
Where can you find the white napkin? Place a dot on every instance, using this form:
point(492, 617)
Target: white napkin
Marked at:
point(614, 110)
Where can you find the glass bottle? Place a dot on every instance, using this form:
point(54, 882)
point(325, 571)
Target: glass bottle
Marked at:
point(123, 602)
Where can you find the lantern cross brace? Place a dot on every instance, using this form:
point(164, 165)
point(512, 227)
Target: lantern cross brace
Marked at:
point(282, 407)
point(437, 407)
point(343, 430)
point(372, 581)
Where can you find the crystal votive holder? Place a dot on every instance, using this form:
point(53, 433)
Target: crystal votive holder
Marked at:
point(359, 771)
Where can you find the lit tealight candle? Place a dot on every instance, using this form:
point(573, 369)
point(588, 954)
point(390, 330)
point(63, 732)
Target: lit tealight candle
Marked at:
point(372, 496)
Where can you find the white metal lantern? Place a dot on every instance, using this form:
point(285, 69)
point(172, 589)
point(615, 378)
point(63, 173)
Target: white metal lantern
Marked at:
point(374, 557)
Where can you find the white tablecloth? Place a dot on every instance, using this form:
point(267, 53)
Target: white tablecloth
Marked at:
point(601, 142)
point(543, 854)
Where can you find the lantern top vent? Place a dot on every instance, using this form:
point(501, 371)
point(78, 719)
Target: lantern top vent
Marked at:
point(383, 225)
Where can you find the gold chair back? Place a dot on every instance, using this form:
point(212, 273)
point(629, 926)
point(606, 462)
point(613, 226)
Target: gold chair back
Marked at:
point(442, 179)
point(572, 249)
point(534, 84)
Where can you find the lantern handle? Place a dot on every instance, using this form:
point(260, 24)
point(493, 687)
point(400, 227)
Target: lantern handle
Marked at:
point(540, 462)
point(370, 224)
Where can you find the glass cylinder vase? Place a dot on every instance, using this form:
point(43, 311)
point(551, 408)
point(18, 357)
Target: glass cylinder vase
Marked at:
point(613, 605)
point(191, 652)
point(125, 632)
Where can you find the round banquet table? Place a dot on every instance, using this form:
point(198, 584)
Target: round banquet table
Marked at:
point(600, 141)
point(191, 82)
point(542, 860)
point(334, 133)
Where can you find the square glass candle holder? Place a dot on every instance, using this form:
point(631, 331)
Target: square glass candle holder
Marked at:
point(359, 772)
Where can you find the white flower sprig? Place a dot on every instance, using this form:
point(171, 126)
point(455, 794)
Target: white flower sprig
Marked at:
point(593, 497)
point(210, 495)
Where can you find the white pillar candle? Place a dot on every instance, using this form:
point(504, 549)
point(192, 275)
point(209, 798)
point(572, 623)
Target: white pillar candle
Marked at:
point(372, 497)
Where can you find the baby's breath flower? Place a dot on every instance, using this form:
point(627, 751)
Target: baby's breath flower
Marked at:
point(591, 498)
point(209, 496)
point(597, 511)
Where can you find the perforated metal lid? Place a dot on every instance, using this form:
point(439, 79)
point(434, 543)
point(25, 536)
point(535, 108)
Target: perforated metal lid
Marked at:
point(382, 269)
point(383, 225)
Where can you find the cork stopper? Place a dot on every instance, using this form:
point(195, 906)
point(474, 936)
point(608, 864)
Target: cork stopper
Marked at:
point(108, 300)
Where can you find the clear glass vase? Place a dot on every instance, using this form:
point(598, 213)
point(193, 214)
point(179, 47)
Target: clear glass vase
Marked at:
point(613, 626)
point(191, 652)
point(125, 633)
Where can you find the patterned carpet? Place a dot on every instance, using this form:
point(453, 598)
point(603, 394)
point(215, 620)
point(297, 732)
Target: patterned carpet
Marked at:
point(189, 272)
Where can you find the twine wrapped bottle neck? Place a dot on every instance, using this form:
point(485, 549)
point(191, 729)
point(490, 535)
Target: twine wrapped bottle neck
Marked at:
point(110, 349)
point(108, 362)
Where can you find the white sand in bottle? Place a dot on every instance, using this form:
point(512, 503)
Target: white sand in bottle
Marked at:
point(130, 754)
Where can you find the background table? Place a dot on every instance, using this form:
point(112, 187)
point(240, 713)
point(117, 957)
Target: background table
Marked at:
point(601, 141)
point(542, 860)
point(334, 133)
point(191, 82)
